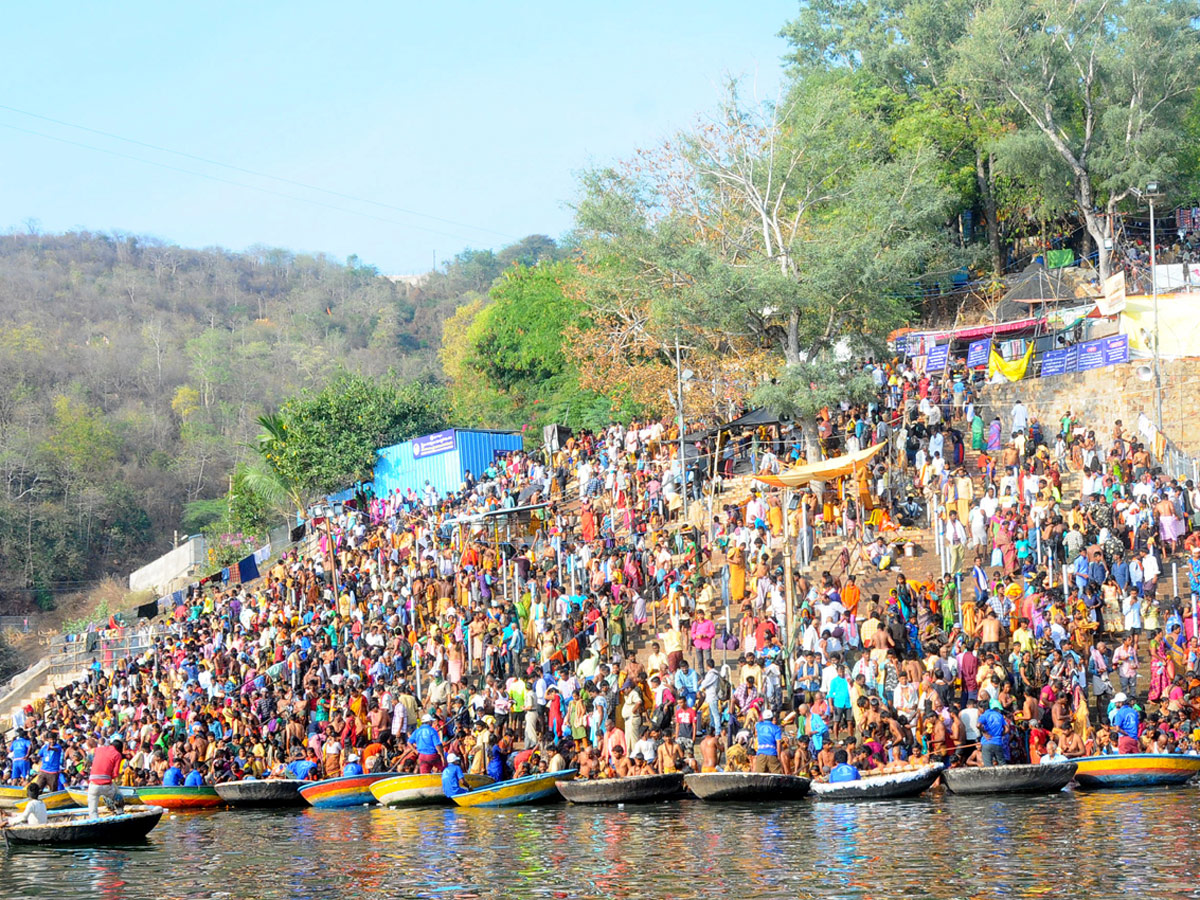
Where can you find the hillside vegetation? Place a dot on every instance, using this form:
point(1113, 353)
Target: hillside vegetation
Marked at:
point(133, 373)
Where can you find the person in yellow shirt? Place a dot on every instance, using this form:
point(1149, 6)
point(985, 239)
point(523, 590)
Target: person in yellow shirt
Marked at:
point(1022, 638)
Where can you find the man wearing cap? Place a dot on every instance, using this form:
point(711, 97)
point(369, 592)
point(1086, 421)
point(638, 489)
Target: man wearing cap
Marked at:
point(453, 780)
point(1125, 719)
point(428, 744)
point(352, 766)
point(768, 736)
point(106, 766)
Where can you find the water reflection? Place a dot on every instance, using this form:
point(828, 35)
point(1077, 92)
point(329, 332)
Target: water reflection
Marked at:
point(942, 846)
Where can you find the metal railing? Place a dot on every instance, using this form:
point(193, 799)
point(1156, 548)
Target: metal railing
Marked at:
point(108, 648)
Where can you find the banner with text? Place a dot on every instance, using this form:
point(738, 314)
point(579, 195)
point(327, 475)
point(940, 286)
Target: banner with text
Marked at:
point(977, 353)
point(433, 444)
point(1087, 356)
point(935, 360)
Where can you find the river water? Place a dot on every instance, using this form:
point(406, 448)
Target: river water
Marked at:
point(1069, 845)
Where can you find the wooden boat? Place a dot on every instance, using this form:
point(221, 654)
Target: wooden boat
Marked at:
point(65, 828)
point(1041, 779)
point(203, 797)
point(908, 783)
point(540, 788)
point(719, 786)
point(54, 800)
point(79, 794)
point(262, 792)
point(419, 790)
point(343, 792)
point(1129, 770)
point(11, 795)
point(632, 789)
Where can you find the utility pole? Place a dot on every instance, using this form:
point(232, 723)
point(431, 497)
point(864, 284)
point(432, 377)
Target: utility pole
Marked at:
point(682, 428)
point(1151, 194)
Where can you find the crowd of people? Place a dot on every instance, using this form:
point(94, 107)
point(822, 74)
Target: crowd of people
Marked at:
point(600, 628)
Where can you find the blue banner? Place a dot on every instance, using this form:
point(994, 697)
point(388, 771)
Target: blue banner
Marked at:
point(977, 353)
point(1060, 362)
point(1091, 356)
point(1115, 349)
point(433, 444)
point(1107, 351)
point(935, 359)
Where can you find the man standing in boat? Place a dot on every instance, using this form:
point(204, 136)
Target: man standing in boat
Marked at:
point(768, 736)
point(992, 729)
point(102, 780)
point(1125, 720)
point(51, 757)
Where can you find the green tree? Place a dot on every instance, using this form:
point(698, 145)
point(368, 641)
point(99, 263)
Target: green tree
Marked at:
point(1104, 85)
point(802, 390)
point(326, 440)
point(902, 52)
point(798, 224)
point(82, 442)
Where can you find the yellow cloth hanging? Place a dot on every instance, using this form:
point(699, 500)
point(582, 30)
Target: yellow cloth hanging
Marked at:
point(1014, 370)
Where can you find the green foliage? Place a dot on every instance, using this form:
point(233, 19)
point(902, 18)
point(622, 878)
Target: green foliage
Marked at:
point(507, 357)
point(80, 440)
point(99, 615)
point(1102, 85)
point(200, 514)
point(518, 338)
point(325, 440)
point(802, 390)
point(800, 224)
point(133, 373)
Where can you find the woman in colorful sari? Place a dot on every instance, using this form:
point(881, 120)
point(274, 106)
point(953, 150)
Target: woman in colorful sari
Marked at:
point(993, 439)
point(1160, 665)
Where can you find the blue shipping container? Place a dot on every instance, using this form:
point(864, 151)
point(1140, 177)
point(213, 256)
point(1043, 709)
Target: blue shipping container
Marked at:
point(442, 459)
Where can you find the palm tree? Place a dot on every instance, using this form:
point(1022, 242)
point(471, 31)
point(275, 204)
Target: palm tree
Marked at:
point(264, 477)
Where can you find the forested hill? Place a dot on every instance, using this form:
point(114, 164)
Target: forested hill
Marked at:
point(132, 373)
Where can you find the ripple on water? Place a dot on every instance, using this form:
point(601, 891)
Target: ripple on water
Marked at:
point(938, 846)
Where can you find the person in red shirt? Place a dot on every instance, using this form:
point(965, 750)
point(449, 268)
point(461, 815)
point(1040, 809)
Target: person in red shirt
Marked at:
point(106, 766)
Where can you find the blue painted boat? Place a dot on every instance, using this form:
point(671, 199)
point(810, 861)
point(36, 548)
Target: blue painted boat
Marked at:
point(344, 792)
point(540, 788)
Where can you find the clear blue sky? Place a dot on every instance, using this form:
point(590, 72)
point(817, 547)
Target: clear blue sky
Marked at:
point(473, 111)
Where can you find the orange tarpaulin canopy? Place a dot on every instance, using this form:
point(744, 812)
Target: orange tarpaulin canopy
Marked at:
point(824, 470)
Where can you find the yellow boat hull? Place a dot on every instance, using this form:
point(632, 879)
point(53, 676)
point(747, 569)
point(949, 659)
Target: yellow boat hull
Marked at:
point(539, 788)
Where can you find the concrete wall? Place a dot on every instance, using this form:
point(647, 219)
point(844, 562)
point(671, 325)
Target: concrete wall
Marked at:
point(178, 563)
point(1099, 397)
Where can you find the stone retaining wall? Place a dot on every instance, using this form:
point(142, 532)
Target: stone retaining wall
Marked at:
point(1101, 396)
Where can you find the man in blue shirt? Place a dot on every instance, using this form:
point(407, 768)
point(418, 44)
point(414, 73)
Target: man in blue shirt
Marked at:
point(686, 683)
point(352, 766)
point(1125, 719)
point(453, 781)
point(839, 700)
point(842, 770)
point(991, 728)
point(303, 767)
point(769, 735)
point(19, 752)
point(51, 757)
point(173, 777)
point(428, 744)
point(194, 778)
